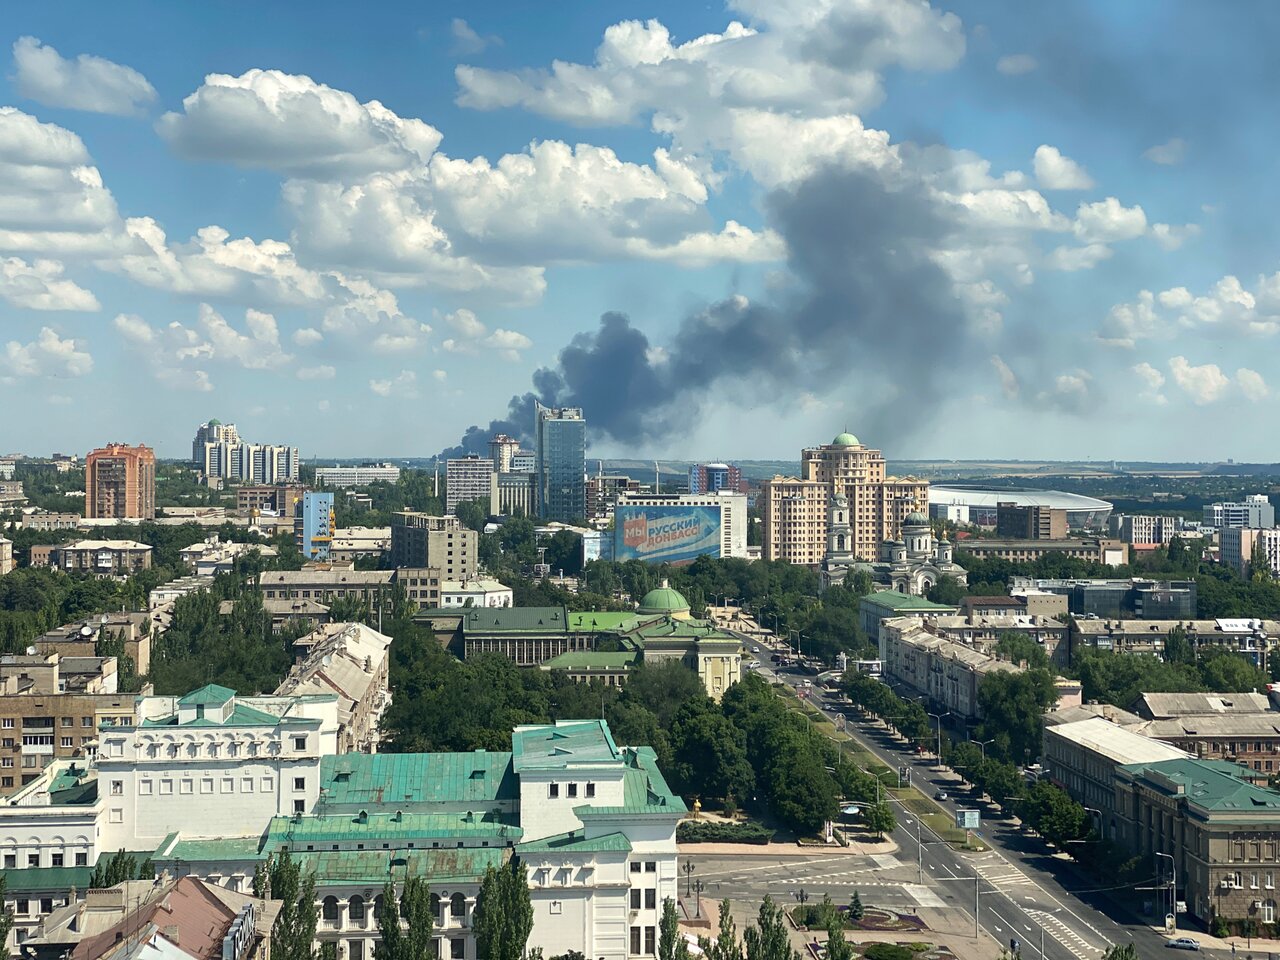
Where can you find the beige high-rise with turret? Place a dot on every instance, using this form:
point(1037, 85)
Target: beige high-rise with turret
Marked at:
point(796, 511)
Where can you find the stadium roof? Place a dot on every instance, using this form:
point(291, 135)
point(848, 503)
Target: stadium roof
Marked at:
point(985, 496)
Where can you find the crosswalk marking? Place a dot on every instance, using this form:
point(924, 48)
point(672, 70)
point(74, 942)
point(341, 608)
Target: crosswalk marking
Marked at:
point(885, 861)
point(923, 895)
point(999, 873)
point(1063, 934)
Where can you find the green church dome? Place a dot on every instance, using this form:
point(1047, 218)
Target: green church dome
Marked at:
point(664, 600)
point(845, 440)
point(916, 519)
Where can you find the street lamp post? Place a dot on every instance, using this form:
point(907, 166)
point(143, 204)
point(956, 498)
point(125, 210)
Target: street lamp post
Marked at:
point(1173, 888)
point(688, 869)
point(938, 717)
point(982, 745)
point(698, 888)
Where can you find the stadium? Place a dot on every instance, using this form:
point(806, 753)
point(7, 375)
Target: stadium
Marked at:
point(977, 504)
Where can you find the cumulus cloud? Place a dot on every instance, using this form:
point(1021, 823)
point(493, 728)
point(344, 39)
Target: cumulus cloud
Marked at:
point(258, 349)
point(1252, 385)
point(1009, 385)
point(1203, 384)
point(473, 337)
point(1057, 172)
point(466, 42)
point(1109, 220)
point(1227, 304)
point(1168, 153)
point(49, 355)
point(85, 83)
point(1172, 237)
point(290, 123)
point(321, 372)
point(1016, 64)
point(1151, 381)
point(307, 336)
point(171, 351)
point(40, 286)
point(403, 386)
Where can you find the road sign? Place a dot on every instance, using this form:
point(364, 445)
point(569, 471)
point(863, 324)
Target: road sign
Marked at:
point(968, 819)
point(904, 775)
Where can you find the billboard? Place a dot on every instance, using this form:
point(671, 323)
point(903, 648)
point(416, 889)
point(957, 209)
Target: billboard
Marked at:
point(969, 819)
point(665, 534)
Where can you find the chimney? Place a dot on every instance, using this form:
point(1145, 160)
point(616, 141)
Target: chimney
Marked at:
point(171, 932)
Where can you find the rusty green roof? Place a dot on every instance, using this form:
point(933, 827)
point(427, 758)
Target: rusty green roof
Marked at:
point(588, 621)
point(590, 660)
point(374, 867)
point(416, 781)
point(392, 827)
point(46, 879)
point(514, 620)
point(576, 842)
point(555, 746)
point(210, 693)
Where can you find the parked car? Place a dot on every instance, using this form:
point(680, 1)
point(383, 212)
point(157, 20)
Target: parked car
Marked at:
point(1183, 943)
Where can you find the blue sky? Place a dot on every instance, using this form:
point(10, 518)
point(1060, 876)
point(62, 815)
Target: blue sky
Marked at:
point(968, 229)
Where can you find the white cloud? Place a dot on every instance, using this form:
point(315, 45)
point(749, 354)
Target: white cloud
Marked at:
point(39, 286)
point(1203, 384)
point(1109, 220)
point(52, 199)
point(1016, 64)
point(307, 336)
point(1127, 323)
point(172, 350)
point(134, 329)
point(1069, 259)
point(1152, 381)
point(290, 123)
point(1008, 379)
point(86, 83)
point(1057, 172)
point(322, 372)
point(404, 386)
point(473, 337)
point(466, 41)
point(1172, 237)
point(1069, 392)
point(1168, 153)
point(259, 349)
point(1227, 304)
point(440, 375)
point(49, 355)
point(1252, 385)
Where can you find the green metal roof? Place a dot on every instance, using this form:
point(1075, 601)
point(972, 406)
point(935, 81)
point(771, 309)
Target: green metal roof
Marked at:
point(644, 790)
point(47, 879)
point(69, 787)
point(374, 867)
point(555, 746)
point(1207, 786)
point(514, 620)
point(210, 693)
point(391, 827)
point(893, 600)
point(241, 716)
point(588, 660)
point(681, 631)
point(205, 851)
point(575, 842)
point(607, 622)
point(359, 781)
point(845, 439)
point(663, 600)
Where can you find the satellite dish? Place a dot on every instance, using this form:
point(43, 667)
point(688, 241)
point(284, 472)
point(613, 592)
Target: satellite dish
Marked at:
point(31, 651)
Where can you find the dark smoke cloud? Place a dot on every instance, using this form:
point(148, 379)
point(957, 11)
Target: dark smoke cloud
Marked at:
point(867, 298)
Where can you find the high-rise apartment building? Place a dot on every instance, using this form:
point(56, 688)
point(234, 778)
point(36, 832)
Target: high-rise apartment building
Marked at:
point(420, 540)
point(1142, 528)
point(470, 478)
point(560, 444)
point(714, 477)
point(1256, 511)
point(6, 556)
point(501, 450)
point(795, 511)
point(215, 431)
point(313, 525)
point(120, 483)
point(1030, 522)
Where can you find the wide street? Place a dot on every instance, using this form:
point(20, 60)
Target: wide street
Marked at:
point(1024, 891)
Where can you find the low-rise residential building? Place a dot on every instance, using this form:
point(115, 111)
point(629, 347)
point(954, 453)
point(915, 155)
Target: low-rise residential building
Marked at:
point(1134, 597)
point(102, 558)
point(325, 581)
point(884, 604)
point(167, 593)
point(351, 543)
point(1112, 553)
point(308, 614)
point(211, 556)
point(443, 543)
point(349, 660)
point(983, 633)
point(1251, 639)
point(477, 592)
point(361, 476)
point(44, 520)
point(80, 637)
point(947, 672)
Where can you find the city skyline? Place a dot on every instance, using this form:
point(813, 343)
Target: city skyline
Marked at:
point(733, 230)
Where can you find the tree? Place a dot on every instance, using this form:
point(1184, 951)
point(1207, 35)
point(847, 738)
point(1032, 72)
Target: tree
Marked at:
point(1054, 814)
point(947, 590)
point(391, 945)
point(1013, 706)
point(295, 927)
point(709, 754)
point(668, 930)
point(725, 946)
point(879, 817)
point(768, 939)
point(1177, 647)
point(856, 909)
point(416, 901)
point(838, 948)
point(6, 918)
point(1121, 951)
point(503, 916)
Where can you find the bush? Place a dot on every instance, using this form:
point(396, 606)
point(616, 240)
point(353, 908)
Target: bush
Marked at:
point(887, 951)
point(692, 831)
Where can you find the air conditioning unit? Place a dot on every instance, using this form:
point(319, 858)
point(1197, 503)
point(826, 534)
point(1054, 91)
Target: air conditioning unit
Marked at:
point(1256, 905)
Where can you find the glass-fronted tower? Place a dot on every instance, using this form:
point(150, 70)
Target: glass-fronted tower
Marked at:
point(560, 446)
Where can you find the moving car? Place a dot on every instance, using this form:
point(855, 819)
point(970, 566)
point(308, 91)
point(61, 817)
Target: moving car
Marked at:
point(1183, 943)
point(940, 795)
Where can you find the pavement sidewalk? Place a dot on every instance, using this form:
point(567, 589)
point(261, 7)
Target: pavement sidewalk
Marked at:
point(855, 848)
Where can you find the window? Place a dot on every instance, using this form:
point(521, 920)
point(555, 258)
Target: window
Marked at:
point(299, 743)
point(635, 898)
point(117, 815)
point(635, 941)
point(184, 786)
point(457, 949)
point(650, 940)
point(591, 790)
point(1269, 881)
point(573, 789)
point(46, 904)
point(67, 742)
point(33, 859)
point(299, 783)
point(1268, 911)
point(10, 861)
point(651, 899)
point(651, 866)
point(1253, 881)
point(82, 859)
point(145, 787)
point(228, 785)
point(553, 790)
point(7, 723)
point(268, 785)
point(355, 908)
point(86, 721)
point(246, 784)
point(636, 867)
point(355, 949)
point(299, 806)
point(206, 785)
point(117, 788)
point(329, 909)
point(68, 721)
point(555, 908)
point(55, 860)
point(457, 905)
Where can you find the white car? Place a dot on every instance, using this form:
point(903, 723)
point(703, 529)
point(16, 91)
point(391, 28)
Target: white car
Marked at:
point(1183, 943)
